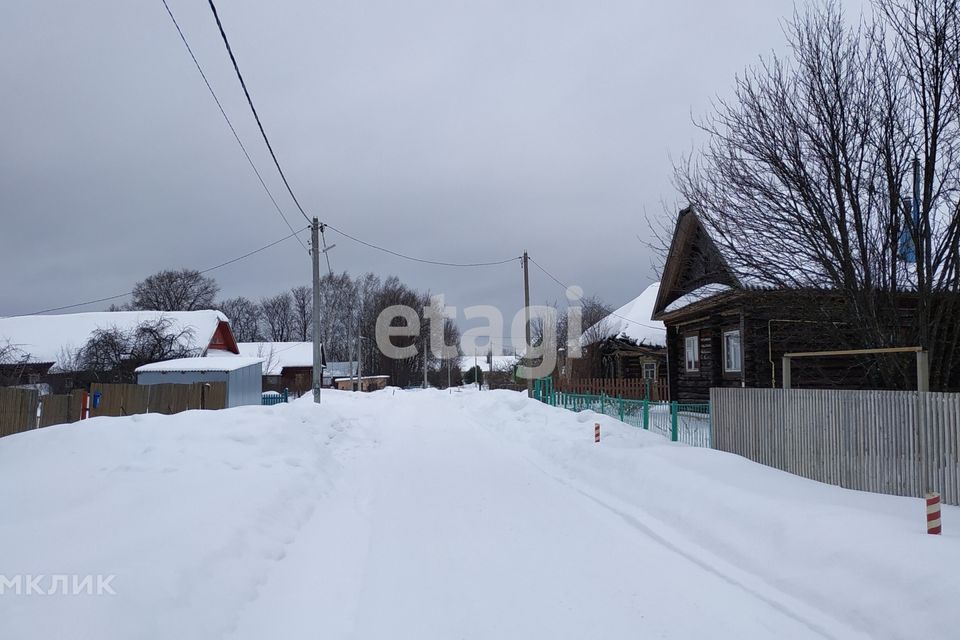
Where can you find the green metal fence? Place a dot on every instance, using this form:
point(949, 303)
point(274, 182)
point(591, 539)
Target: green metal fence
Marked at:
point(275, 398)
point(681, 422)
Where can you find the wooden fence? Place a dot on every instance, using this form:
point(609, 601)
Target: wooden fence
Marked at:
point(128, 399)
point(23, 410)
point(896, 442)
point(18, 410)
point(633, 389)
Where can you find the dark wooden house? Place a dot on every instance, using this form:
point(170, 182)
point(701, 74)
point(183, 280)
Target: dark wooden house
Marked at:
point(723, 332)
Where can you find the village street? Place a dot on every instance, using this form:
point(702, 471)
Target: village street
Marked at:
point(433, 514)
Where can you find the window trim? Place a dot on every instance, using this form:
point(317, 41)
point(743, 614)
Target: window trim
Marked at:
point(726, 368)
point(696, 352)
point(644, 370)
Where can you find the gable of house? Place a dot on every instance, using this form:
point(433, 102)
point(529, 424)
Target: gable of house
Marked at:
point(695, 268)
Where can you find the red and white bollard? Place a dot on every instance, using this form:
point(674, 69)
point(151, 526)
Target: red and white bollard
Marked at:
point(596, 432)
point(933, 513)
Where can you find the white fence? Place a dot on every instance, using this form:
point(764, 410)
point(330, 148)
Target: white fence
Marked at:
point(897, 442)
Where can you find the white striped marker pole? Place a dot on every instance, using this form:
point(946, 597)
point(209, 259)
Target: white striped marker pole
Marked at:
point(933, 513)
point(596, 432)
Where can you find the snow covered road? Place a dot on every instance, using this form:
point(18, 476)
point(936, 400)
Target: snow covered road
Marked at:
point(466, 515)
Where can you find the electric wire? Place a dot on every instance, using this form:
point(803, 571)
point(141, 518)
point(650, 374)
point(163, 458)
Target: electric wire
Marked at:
point(567, 289)
point(233, 130)
point(422, 260)
point(127, 293)
point(246, 92)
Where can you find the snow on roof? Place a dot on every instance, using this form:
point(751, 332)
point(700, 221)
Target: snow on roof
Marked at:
point(51, 338)
point(500, 363)
point(632, 319)
point(200, 364)
point(277, 355)
point(697, 295)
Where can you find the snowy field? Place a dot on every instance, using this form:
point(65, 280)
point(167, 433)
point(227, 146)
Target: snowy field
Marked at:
point(434, 515)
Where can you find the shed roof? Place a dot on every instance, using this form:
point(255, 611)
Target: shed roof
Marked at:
point(200, 364)
point(278, 355)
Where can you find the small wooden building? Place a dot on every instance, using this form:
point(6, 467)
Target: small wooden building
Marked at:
point(367, 383)
point(722, 332)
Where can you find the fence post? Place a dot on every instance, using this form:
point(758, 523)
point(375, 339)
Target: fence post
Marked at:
point(674, 430)
point(286, 395)
point(620, 399)
point(646, 413)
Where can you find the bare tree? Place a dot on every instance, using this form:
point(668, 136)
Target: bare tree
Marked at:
point(115, 353)
point(182, 290)
point(302, 299)
point(277, 314)
point(806, 181)
point(244, 315)
point(13, 361)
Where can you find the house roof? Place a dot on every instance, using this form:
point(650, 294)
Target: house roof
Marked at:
point(695, 269)
point(199, 364)
point(500, 363)
point(56, 338)
point(278, 355)
point(633, 320)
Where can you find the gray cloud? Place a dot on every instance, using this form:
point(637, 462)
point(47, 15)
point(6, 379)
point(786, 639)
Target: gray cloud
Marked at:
point(450, 130)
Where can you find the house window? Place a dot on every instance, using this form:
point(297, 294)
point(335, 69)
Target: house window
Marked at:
point(692, 349)
point(732, 353)
point(649, 370)
point(33, 378)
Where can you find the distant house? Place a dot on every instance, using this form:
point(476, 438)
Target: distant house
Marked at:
point(289, 365)
point(626, 345)
point(725, 329)
point(47, 346)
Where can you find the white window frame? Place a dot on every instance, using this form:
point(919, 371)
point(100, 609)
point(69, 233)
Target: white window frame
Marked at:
point(694, 341)
point(651, 365)
point(726, 356)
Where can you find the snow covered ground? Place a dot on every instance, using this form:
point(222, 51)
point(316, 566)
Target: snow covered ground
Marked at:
point(427, 514)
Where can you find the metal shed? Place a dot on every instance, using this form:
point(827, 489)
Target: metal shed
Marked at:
point(241, 375)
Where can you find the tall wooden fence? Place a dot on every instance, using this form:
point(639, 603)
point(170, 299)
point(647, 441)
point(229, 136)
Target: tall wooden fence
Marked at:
point(18, 410)
point(896, 442)
point(23, 409)
point(633, 389)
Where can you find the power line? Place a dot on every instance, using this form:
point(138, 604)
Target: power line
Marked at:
point(127, 293)
point(229, 123)
point(256, 116)
point(567, 288)
point(423, 260)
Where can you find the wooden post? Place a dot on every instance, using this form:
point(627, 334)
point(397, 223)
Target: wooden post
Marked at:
point(923, 371)
point(596, 432)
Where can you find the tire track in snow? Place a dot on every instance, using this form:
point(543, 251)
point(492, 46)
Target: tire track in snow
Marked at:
point(711, 567)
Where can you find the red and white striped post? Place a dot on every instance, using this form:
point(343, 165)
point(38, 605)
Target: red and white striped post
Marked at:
point(933, 513)
point(596, 432)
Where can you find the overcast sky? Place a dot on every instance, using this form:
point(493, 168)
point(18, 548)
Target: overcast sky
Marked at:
point(461, 131)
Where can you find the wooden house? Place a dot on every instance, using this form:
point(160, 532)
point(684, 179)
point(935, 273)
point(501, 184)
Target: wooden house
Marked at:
point(47, 346)
point(723, 331)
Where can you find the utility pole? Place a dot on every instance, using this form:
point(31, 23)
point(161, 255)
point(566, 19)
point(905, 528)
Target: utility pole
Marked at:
point(526, 317)
point(448, 373)
point(360, 352)
point(317, 345)
point(425, 362)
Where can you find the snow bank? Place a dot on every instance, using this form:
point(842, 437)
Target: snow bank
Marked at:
point(432, 514)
